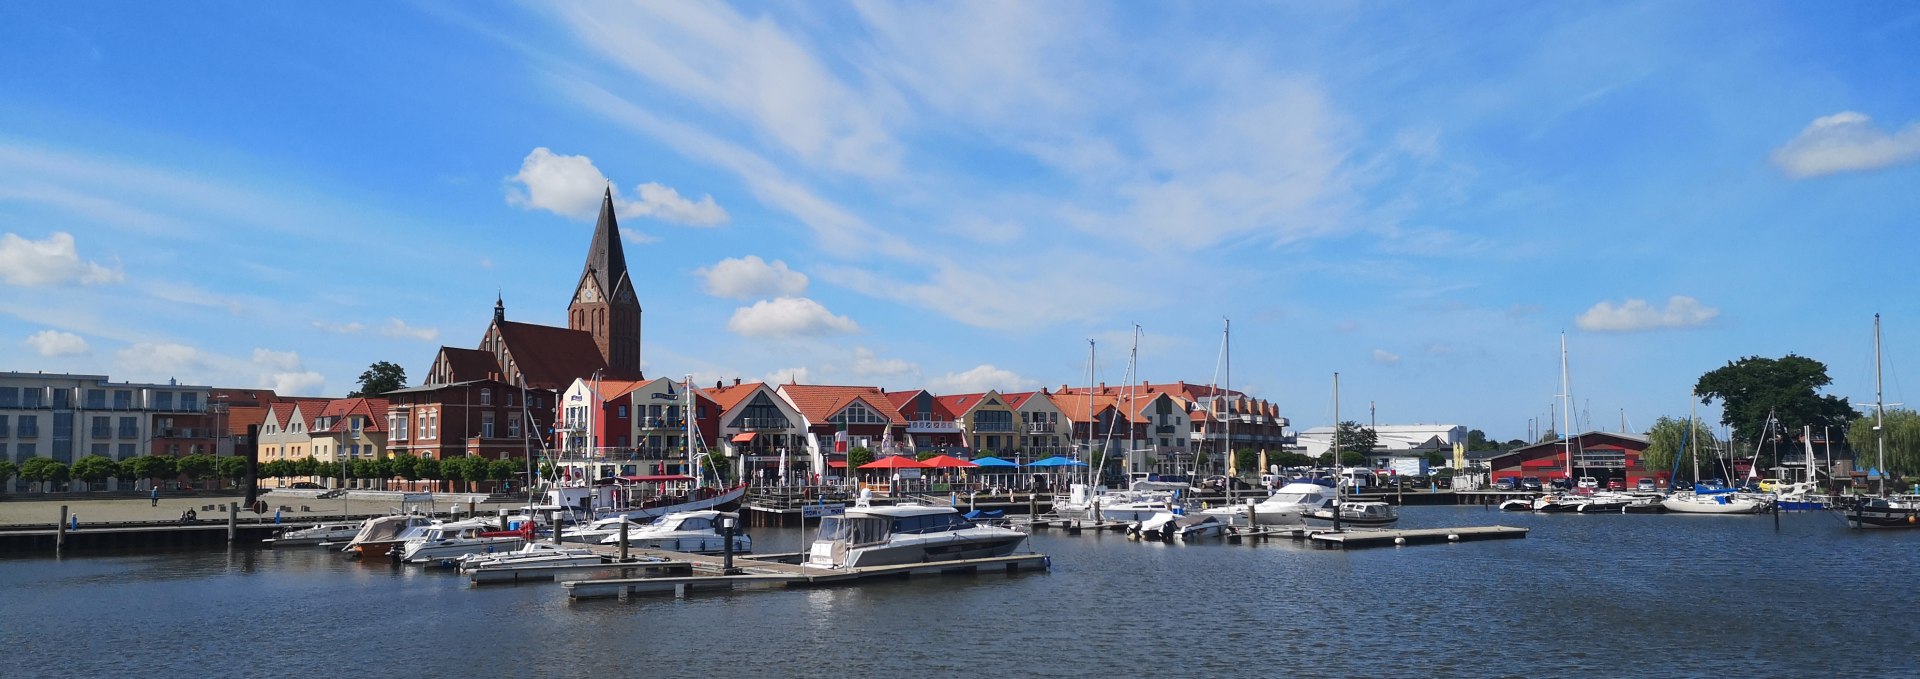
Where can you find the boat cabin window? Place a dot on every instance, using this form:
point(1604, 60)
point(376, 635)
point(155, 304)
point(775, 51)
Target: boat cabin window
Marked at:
point(931, 523)
point(696, 523)
point(854, 530)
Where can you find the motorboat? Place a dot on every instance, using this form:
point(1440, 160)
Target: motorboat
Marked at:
point(1143, 499)
point(905, 534)
point(454, 539)
point(600, 530)
point(1519, 504)
point(379, 536)
point(532, 554)
point(695, 532)
point(1132, 510)
point(1801, 496)
point(1714, 501)
point(1885, 513)
point(1168, 527)
point(316, 534)
point(1353, 515)
point(1559, 504)
point(1284, 507)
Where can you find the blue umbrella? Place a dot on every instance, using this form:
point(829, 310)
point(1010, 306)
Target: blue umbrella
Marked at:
point(993, 462)
point(1056, 461)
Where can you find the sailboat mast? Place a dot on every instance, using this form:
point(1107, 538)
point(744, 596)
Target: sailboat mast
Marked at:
point(1693, 406)
point(1339, 475)
point(1101, 461)
point(1133, 365)
point(1879, 408)
point(1226, 343)
point(686, 423)
point(1566, 411)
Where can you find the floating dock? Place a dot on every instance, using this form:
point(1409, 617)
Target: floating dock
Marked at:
point(765, 573)
point(1422, 536)
point(632, 569)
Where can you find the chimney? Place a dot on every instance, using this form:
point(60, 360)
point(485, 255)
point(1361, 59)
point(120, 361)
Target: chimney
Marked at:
point(1103, 387)
point(736, 381)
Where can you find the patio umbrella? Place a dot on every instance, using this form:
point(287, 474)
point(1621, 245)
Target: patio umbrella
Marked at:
point(894, 462)
point(992, 462)
point(1056, 461)
point(946, 462)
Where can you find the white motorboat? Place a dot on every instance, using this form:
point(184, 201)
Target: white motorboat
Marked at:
point(905, 534)
point(605, 530)
point(1132, 510)
point(1354, 515)
point(694, 532)
point(1168, 527)
point(381, 535)
point(316, 534)
point(532, 554)
point(454, 539)
point(1713, 503)
point(1284, 507)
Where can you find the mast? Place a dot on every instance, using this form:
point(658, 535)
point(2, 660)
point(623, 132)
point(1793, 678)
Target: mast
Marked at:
point(1566, 412)
point(686, 423)
point(1133, 362)
point(1693, 405)
point(1226, 343)
point(1339, 475)
point(1092, 357)
point(1879, 408)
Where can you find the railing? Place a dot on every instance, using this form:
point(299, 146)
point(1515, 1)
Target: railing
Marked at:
point(663, 423)
point(993, 427)
point(1039, 428)
point(761, 425)
point(1164, 429)
point(101, 432)
point(129, 433)
point(29, 432)
point(933, 425)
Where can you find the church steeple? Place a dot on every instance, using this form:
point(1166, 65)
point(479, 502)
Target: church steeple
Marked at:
point(499, 307)
point(605, 303)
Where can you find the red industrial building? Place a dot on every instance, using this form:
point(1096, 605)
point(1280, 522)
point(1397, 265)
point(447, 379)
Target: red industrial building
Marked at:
point(1602, 455)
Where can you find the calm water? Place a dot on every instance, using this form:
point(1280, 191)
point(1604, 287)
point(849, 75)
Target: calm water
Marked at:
point(1583, 595)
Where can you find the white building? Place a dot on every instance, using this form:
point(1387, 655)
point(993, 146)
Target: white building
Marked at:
point(1392, 438)
point(66, 417)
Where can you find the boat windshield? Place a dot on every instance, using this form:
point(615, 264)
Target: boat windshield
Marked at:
point(1289, 498)
point(854, 530)
point(931, 523)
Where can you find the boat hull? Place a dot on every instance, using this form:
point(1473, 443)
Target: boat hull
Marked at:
point(950, 548)
point(1719, 506)
point(1883, 517)
point(454, 549)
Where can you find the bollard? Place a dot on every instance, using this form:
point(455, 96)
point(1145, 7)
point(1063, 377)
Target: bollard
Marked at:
point(233, 522)
point(553, 521)
point(623, 540)
point(503, 519)
point(727, 530)
point(1033, 506)
point(60, 533)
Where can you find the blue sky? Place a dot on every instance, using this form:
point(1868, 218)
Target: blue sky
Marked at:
point(1421, 196)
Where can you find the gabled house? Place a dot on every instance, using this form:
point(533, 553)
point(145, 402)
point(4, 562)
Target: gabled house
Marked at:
point(286, 433)
point(350, 429)
point(930, 425)
point(989, 422)
point(864, 414)
point(758, 429)
point(1042, 428)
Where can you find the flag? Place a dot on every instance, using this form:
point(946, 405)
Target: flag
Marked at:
point(1459, 455)
point(840, 441)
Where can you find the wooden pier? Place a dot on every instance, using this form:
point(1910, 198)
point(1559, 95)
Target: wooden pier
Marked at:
point(1422, 536)
point(610, 570)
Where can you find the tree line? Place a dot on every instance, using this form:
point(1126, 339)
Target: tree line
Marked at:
point(199, 469)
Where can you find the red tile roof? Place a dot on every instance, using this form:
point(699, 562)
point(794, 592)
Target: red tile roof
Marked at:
point(309, 408)
point(374, 409)
point(725, 397)
point(237, 418)
point(818, 402)
point(467, 365)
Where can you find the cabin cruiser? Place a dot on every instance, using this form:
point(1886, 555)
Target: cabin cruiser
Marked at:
point(1168, 527)
point(316, 534)
point(694, 532)
point(600, 530)
point(906, 534)
point(1896, 512)
point(1143, 499)
point(379, 536)
point(1287, 506)
point(532, 554)
point(1609, 502)
point(1704, 500)
point(453, 539)
point(1354, 515)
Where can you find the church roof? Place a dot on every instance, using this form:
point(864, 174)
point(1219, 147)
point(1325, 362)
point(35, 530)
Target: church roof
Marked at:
point(606, 260)
point(469, 364)
point(550, 357)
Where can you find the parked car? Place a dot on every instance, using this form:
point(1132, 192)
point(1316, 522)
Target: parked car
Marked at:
point(1505, 484)
point(1616, 484)
point(1530, 483)
point(307, 485)
point(1561, 483)
point(1588, 482)
point(1769, 485)
point(1646, 484)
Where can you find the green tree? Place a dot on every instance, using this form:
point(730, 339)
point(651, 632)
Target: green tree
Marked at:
point(1752, 387)
point(95, 469)
point(1356, 439)
point(925, 455)
point(1514, 443)
point(1353, 459)
point(1246, 461)
point(305, 467)
point(460, 468)
point(1669, 438)
point(1477, 440)
point(405, 466)
point(1547, 436)
point(8, 470)
point(198, 468)
point(277, 469)
point(503, 469)
point(856, 458)
point(1435, 458)
point(380, 378)
point(428, 468)
point(43, 471)
point(232, 469)
point(1902, 430)
point(155, 468)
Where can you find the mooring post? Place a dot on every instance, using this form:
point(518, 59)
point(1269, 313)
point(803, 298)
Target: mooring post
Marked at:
point(60, 534)
point(623, 540)
point(1033, 506)
point(553, 521)
point(233, 522)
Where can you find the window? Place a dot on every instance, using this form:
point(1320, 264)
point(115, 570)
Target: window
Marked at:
point(433, 419)
point(63, 425)
point(99, 449)
point(513, 425)
point(190, 401)
point(3, 431)
point(486, 425)
point(122, 399)
point(129, 428)
point(28, 450)
point(423, 425)
point(622, 412)
point(126, 451)
point(163, 400)
point(399, 427)
point(96, 399)
point(486, 397)
point(62, 399)
point(102, 427)
point(9, 397)
point(32, 397)
point(761, 413)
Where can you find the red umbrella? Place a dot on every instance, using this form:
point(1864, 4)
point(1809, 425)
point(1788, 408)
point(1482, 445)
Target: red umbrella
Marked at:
point(894, 462)
point(946, 461)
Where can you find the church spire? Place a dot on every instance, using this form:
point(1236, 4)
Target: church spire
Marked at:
point(499, 307)
point(605, 258)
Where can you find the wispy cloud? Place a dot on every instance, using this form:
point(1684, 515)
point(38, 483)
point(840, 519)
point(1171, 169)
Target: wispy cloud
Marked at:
point(750, 277)
point(1846, 142)
point(1384, 357)
point(573, 186)
point(979, 379)
point(51, 343)
point(1636, 314)
point(399, 328)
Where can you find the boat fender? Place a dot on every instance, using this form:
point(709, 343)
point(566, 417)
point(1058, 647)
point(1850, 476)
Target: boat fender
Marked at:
point(1913, 518)
point(1453, 537)
point(1399, 541)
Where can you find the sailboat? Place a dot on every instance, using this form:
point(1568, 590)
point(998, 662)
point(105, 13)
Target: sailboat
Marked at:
point(1335, 513)
point(666, 493)
point(1882, 512)
point(1705, 499)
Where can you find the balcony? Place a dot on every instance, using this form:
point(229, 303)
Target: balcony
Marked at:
point(761, 425)
point(934, 426)
point(1040, 428)
point(1165, 429)
point(993, 427)
point(663, 423)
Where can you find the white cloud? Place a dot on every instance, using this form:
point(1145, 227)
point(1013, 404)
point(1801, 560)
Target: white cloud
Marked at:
point(52, 343)
point(786, 375)
point(340, 328)
point(637, 237)
point(1384, 357)
point(979, 379)
point(788, 317)
point(564, 185)
point(278, 360)
point(487, 262)
point(748, 277)
point(663, 202)
point(399, 328)
point(1636, 314)
point(306, 383)
point(868, 364)
point(1846, 142)
point(50, 262)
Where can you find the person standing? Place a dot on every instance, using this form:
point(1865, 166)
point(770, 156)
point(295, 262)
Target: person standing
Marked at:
point(154, 496)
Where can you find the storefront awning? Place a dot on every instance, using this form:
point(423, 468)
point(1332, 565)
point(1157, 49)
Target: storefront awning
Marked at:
point(744, 437)
point(837, 464)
